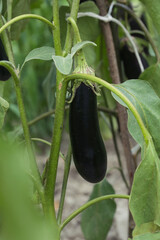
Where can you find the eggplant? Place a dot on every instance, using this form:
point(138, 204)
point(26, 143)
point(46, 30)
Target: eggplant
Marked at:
point(131, 65)
point(89, 152)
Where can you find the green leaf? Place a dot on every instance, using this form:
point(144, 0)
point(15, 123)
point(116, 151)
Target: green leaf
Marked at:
point(63, 64)
point(81, 45)
point(153, 8)
point(88, 27)
point(147, 103)
point(19, 7)
point(97, 219)
point(145, 228)
point(1, 6)
point(145, 194)
point(43, 53)
point(4, 105)
point(152, 75)
point(148, 236)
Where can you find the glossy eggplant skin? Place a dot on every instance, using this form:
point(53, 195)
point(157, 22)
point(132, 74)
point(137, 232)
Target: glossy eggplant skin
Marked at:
point(131, 65)
point(4, 73)
point(89, 152)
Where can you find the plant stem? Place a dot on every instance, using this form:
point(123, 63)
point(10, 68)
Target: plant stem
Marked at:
point(47, 143)
point(58, 124)
point(56, 32)
point(59, 115)
point(90, 203)
point(113, 88)
point(64, 185)
point(25, 16)
point(9, 10)
point(73, 14)
point(75, 29)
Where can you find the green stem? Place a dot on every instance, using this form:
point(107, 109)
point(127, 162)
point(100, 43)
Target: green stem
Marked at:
point(64, 185)
point(41, 140)
point(58, 125)
point(55, 148)
point(47, 143)
point(40, 117)
point(90, 203)
point(73, 14)
point(59, 117)
point(9, 9)
point(143, 27)
point(56, 32)
point(114, 89)
point(75, 28)
point(25, 16)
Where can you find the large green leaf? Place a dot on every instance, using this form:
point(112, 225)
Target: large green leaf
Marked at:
point(4, 105)
point(153, 8)
point(97, 219)
point(147, 103)
point(152, 75)
point(145, 194)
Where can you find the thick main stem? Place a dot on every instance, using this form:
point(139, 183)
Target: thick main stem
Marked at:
point(59, 115)
point(114, 72)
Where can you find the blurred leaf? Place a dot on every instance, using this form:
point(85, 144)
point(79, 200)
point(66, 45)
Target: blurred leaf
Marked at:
point(63, 64)
point(152, 75)
point(147, 103)
point(88, 27)
point(1, 6)
point(49, 86)
point(36, 3)
point(63, 3)
point(4, 105)
point(43, 53)
point(81, 45)
point(145, 193)
point(20, 218)
point(97, 219)
point(153, 8)
point(19, 7)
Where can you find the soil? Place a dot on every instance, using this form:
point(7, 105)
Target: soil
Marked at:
point(78, 192)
